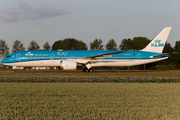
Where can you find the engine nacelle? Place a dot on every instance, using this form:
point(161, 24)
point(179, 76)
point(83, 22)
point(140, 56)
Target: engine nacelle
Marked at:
point(68, 65)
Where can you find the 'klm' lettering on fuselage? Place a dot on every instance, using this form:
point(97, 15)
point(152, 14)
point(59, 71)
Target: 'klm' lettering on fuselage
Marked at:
point(157, 44)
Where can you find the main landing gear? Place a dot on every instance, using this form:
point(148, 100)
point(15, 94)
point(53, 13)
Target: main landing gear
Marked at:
point(87, 70)
point(16, 70)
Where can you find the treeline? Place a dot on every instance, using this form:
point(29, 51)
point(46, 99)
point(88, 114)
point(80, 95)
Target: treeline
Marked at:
point(137, 43)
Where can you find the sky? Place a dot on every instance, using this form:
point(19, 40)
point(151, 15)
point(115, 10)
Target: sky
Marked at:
point(86, 20)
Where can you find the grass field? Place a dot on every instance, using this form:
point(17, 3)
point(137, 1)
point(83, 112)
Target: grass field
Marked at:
point(77, 95)
point(90, 101)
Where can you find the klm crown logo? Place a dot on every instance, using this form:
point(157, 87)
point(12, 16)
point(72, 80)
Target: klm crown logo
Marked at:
point(29, 54)
point(157, 43)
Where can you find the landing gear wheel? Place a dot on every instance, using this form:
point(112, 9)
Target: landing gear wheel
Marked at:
point(90, 70)
point(16, 71)
point(87, 70)
point(84, 70)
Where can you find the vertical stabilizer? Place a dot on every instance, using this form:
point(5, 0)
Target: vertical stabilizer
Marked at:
point(158, 43)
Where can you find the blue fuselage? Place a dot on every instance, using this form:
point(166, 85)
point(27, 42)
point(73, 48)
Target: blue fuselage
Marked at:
point(52, 58)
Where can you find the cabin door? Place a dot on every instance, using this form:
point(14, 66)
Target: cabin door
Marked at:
point(138, 56)
point(52, 56)
point(18, 57)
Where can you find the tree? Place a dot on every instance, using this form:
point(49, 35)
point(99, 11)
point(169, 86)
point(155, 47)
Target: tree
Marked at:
point(137, 43)
point(140, 43)
point(81, 45)
point(111, 45)
point(55, 46)
point(168, 48)
point(69, 44)
point(33, 45)
point(96, 45)
point(17, 46)
point(126, 44)
point(46, 46)
point(177, 46)
point(175, 58)
point(4, 49)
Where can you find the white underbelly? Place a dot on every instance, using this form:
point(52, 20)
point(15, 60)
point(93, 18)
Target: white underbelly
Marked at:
point(124, 62)
point(39, 63)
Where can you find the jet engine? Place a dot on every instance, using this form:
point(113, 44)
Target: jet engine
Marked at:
point(68, 65)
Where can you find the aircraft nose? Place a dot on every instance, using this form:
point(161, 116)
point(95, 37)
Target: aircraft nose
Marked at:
point(3, 61)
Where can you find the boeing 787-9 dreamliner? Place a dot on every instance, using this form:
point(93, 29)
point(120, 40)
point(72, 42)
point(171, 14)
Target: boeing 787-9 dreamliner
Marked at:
point(70, 59)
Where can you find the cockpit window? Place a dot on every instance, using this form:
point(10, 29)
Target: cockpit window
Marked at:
point(8, 56)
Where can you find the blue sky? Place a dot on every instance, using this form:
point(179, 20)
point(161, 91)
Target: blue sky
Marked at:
point(86, 20)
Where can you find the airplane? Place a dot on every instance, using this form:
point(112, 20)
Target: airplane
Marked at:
point(70, 59)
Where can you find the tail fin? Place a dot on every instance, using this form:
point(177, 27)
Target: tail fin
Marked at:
point(158, 43)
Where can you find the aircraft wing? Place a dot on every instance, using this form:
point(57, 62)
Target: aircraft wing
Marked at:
point(105, 55)
point(96, 57)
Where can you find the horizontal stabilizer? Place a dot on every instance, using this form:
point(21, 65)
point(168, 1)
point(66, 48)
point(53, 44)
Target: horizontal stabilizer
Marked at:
point(165, 55)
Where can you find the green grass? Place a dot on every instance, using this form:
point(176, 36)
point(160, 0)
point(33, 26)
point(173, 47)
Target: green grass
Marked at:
point(168, 73)
point(90, 101)
point(86, 79)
